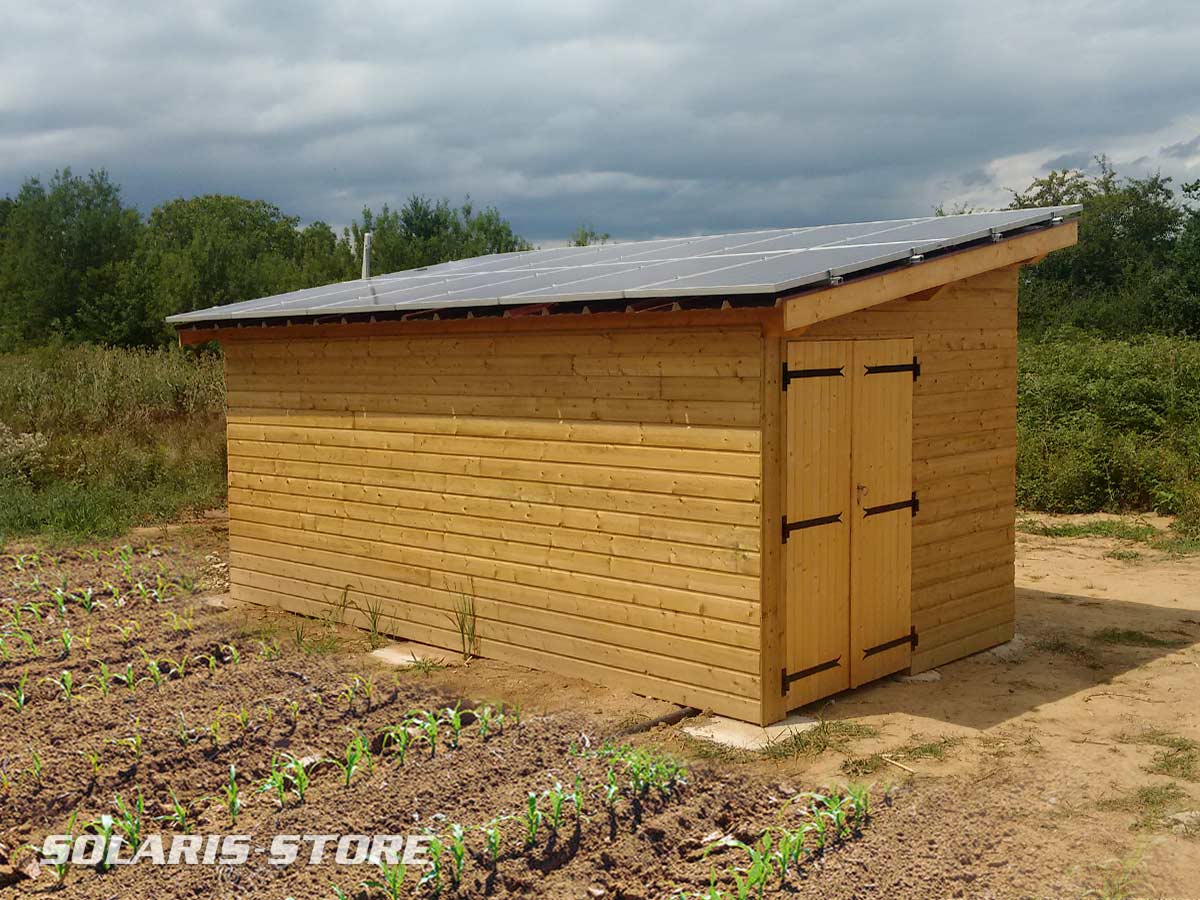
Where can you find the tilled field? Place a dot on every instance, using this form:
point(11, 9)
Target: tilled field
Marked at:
point(169, 698)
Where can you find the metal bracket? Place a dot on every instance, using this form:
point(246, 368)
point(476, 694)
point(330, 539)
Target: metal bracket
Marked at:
point(914, 367)
point(789, 527)
point(791, 374)
point(914, 504)
point(786, 679)
point(910, 638)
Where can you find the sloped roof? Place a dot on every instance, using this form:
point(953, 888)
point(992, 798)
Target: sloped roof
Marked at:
point(768, 262)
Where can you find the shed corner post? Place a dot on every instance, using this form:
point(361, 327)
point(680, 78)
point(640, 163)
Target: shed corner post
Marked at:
point(772, 623)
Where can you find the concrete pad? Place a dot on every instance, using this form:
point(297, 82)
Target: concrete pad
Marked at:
point(408, 653)
point(930, 677)
point(743, 735)
point(1013, 651)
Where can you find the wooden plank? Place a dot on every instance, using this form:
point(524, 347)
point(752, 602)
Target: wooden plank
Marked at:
point(818, 484)
point(439, 551)
point(583, 497)
point(548, 472)
point(880, 541)
point(424, 587)
point(745, 465)
point(816, 306)
point(702, 556)
point(680, 412)
point(773, 618)
point(647, 683)
point(681, 531)
point(425, 565)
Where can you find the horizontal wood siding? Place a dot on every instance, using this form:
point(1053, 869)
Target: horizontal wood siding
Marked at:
point(964, 457)
point(598, 494)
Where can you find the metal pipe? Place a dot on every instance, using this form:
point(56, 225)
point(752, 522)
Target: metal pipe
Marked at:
point(366, 270)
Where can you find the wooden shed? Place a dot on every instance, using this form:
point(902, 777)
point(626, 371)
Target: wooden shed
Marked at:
point(741, 472)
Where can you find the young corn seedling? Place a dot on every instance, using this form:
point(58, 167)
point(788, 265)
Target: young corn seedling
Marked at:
point(178, 622)
point(533, 819)
point(35, 766)
point(276, 783)
point(452, 716)
point(60, 869)
point(788, 852)
point(269, 650)
point(180, 817)
point(133, 744)
point(103, 679)
point(293, 709)
point(153, 672)
point(103, 828)
point(399, 739)
point(557, 796)
point(17, 696)
point(428, 724)
point(357, 753)
point(129, 819)
point(93, 760)
point(29, 641)
point(175, 667)
point(86, 599)
point(297, 775)
point(60, 597)
point(65, 684)
point(761, 867)
point(612, 790)
point(232, 796)
point(818, 827)
point(493, 837)
point(456, 844)
point(860, 799)
point(65, 641)
point(5, 653)
point(433, 871)
point(230, 653)
point(483, 717)
point(389, 882)
point(127, 678)
point(206, 659)
point(130, 631)
point(835, 811)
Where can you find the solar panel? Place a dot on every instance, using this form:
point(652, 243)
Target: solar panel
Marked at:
point(753, 262)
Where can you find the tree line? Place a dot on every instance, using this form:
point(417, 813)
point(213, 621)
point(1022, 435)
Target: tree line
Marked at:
point(78, 264)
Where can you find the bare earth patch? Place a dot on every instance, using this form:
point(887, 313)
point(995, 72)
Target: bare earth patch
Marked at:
point(1050, 770)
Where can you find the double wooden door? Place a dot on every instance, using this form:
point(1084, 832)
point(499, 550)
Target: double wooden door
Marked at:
point(847, 514)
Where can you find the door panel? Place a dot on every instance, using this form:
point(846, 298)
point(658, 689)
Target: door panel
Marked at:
point(817, 485)
point(881, 527)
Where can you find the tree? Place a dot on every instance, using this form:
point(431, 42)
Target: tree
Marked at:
point(216, 249)
point(423, 233)
point(63, 246)
point(586, 235)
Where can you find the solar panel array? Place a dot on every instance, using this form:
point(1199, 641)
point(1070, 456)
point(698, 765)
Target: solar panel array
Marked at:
point(752, 262)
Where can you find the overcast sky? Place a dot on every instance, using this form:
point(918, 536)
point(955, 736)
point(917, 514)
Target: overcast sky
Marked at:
point(644, 119)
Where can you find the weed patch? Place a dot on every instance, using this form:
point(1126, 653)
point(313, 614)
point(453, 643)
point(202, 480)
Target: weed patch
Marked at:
point(1132, 638)
point(1148, 804)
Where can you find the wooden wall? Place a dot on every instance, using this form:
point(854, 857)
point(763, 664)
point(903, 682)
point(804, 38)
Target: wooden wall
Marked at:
point(598, 494)
point(964, 457)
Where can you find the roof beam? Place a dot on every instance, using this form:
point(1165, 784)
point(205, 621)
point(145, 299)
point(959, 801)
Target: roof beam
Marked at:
point(809, 308)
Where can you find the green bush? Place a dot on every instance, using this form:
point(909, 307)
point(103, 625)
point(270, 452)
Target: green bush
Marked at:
point(95, 440)
point(1106, 424)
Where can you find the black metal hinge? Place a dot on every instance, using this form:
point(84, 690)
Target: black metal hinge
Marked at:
point(790, 374)
point(914, 504)
point(789, 527)
point(786, 679)
point(914, 367)
point(910, 638)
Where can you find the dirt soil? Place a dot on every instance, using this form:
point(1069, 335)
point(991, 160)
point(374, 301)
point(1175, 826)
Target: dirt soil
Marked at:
point(1048, 769)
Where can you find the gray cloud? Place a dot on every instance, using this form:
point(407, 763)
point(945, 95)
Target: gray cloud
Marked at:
point(1183, 149)
point(640, 118)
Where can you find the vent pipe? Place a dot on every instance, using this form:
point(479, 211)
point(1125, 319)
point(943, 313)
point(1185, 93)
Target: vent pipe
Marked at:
point(366, 272)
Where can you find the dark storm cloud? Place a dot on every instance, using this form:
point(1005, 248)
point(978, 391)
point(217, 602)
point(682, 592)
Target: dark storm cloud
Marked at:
point(640, 118)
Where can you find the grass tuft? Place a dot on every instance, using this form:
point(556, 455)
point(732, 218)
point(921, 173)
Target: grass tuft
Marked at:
point(1133, 638)
point(825, 735)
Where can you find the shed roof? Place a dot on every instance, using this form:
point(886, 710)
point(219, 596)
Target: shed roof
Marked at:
point(752, 263)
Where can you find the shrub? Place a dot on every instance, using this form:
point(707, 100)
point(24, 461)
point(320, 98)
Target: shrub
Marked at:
point(1110, 425)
